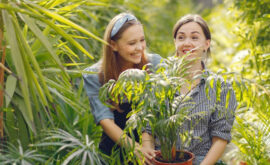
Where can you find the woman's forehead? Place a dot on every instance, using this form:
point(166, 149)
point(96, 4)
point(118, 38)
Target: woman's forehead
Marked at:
point(190, 27)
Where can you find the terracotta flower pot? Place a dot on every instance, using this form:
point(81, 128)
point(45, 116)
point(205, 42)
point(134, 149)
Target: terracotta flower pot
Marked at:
point(243, 163)
point(190, 156)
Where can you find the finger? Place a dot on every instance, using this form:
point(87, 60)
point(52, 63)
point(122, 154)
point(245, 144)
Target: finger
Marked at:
point(148, 162)
point(152, 153)
point(148, 156)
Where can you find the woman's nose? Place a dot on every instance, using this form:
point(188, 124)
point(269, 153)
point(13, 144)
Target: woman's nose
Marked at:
point(139, 46)
point(187, 42)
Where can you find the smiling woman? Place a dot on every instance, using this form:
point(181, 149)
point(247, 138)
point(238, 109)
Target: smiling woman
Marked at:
point(130, 48)
point(125, 50)
point(192, 35)
point(210, 108)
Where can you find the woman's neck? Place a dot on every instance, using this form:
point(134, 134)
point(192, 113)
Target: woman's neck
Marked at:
point(124, 65)
point(195, 70)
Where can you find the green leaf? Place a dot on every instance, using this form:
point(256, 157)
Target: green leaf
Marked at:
point(38, 33)
point(28, 52)
point(11, 125)
point(10, 88)
point(67, 22)
point(23, 134)
point(18, 63)
point(68, 8)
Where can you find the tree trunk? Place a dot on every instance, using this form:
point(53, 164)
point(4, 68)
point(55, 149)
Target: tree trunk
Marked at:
point(2, 56)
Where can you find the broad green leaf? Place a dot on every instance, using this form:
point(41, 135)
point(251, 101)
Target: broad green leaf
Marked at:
point(11, 125)
point(10, 88)
point(18, 63)
point(23, 133)
point(20, 104)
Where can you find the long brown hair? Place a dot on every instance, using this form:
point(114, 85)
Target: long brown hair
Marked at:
point(193, 18)
point(110, 68)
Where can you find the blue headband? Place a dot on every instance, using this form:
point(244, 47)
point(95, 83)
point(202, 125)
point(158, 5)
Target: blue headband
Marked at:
point(120, 22)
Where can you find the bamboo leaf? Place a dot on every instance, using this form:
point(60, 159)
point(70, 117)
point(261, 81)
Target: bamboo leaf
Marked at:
point(71, 7)
point(67, 22)
point(54, 3)
point(69, 38)
point(70, 102)
point(18, 63)
point(38, 33)
point(36, 66)
point(10, 88)
point(56, 70)
point(36, 45)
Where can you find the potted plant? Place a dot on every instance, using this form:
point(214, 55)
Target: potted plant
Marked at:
point(154, 94)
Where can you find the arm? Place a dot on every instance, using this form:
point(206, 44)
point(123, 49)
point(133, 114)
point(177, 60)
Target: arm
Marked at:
point(148, 141)
point(102, 114)
point(220, 125)
point(215, 152)
point(115, 133)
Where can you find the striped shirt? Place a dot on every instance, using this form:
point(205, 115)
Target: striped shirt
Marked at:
point(210, 117)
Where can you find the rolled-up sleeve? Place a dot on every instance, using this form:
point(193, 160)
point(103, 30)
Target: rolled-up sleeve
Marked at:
point(221, 120)
point(98, 109)
point(154, 59)
point(147, 129)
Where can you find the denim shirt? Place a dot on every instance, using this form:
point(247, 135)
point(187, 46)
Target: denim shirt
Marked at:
point(92, 86)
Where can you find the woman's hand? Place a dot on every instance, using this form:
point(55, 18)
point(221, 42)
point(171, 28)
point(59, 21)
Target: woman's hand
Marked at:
point(145, 154)
point(147, 149)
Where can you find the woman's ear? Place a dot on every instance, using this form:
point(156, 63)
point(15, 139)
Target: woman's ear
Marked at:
point(114, 46)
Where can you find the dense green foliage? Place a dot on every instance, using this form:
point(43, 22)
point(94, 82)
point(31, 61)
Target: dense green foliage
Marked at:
point(153, 93)
point(49, 43)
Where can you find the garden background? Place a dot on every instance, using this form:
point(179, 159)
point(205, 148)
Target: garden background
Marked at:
point(45, 116)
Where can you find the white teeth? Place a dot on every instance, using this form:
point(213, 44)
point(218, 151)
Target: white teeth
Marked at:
point(137, 55)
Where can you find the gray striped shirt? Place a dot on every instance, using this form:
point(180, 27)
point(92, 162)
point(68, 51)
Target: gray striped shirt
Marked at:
point(216, 117)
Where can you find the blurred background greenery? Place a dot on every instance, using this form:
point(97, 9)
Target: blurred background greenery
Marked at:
point(45, 44)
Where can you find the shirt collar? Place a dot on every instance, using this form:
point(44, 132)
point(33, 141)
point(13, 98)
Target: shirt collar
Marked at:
point(203, 78)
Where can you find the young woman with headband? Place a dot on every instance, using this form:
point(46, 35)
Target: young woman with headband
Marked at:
point(126, 49)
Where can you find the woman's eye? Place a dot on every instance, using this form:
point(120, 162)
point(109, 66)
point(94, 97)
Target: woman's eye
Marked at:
point(132, 43)
point(142, 40)
point(181, 37)
point(195, 38)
